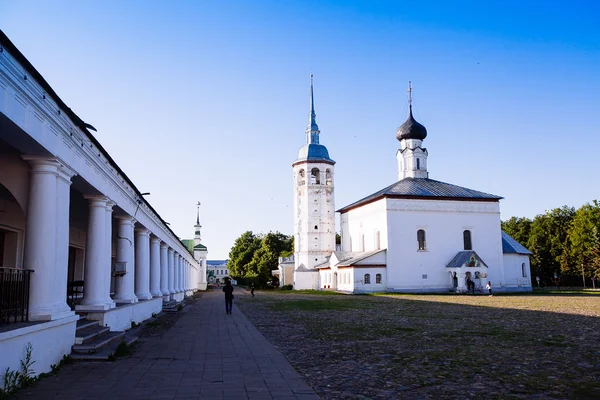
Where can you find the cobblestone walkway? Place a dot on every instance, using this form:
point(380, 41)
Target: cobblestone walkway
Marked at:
point(206, 355)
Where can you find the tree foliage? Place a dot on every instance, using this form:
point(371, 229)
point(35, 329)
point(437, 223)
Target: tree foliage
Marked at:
point(561, 240)
point(254, 256)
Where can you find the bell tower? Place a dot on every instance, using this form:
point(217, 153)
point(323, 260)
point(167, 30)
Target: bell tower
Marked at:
point(314, 208)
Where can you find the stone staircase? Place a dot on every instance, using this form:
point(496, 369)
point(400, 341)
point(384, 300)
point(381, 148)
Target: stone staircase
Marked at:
point(94, 342)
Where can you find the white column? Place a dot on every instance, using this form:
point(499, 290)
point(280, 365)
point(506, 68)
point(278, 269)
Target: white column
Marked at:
point(176, 273)
point(171, 271)
point(107, 272)
point(94, 283)
point(180, 270)
point(187, 276)
point(124, 285)
point(164, 271)
point(44, 232)
point(186, 271)
point(203, 270)
point(155, 267)
point(61, 272)
point(142, 264)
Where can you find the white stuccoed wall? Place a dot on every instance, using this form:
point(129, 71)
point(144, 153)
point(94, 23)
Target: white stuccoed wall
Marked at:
point(513, 273)
point(444, 223)
point(365, 221)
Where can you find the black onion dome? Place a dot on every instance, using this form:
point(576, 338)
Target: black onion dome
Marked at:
point(411, 129)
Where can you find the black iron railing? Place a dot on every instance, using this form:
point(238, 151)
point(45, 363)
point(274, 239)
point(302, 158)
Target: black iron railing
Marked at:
point(14, 295)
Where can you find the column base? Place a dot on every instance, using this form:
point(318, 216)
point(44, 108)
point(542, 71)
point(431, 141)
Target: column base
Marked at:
point(42, 314)
point(126, 301)
point(166, 298)
point(143, 296)
point(92, 307)
point(157, 294)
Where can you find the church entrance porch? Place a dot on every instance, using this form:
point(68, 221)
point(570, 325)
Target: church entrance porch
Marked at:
point(467, 273)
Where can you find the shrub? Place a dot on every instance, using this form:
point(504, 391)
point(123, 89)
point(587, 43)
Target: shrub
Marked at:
point(287, 287)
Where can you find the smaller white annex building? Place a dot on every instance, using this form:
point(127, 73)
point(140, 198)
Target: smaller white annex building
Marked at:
point(416, 235)
point(217, 271)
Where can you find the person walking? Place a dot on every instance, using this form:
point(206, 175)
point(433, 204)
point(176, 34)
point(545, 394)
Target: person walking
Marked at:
point(489, 287)
point(252, 290)
point(228, 290)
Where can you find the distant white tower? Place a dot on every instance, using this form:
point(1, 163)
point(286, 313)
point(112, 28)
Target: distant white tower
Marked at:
point(200, 252)
point(314, 208)
point(412, 156)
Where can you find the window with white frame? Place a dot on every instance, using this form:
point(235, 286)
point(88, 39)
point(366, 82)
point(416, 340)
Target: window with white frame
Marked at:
point(524, 270)
point(367, 279)
point(378, 278)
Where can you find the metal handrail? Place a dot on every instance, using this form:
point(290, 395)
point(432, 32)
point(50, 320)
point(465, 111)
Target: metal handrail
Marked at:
point(14, 295)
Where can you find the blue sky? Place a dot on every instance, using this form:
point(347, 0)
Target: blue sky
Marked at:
point(208, 100)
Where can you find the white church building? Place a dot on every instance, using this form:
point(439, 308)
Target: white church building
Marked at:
point(416, 235)
point(77, 237)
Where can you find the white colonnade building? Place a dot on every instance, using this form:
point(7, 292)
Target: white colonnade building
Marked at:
point(76, 235)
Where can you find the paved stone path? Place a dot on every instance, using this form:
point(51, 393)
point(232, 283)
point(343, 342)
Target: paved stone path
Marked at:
point(206, 355)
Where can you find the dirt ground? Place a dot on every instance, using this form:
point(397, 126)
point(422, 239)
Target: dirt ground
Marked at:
point(436, 346)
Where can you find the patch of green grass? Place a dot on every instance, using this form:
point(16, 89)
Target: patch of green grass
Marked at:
point(312, 305)
point(318, 292)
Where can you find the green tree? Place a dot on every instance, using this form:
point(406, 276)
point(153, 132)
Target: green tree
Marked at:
point(254, 256)
point(583, 238)
point(266, 258)
point(519, 228)
point(547, 238)
point(241, 254)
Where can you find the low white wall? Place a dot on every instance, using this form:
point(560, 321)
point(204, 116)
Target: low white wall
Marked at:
point(120, 318)
point(361, 286)
point(306, 280)
point(50, 341)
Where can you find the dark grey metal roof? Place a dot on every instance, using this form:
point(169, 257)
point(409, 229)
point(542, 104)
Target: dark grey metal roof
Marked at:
point(511, 246)
point(411, 129)
point(424, 188)
point(462, 257)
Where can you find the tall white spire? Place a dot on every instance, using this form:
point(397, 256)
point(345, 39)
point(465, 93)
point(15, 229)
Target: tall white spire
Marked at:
point(312, 131)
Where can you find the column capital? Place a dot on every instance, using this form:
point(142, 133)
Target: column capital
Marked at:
point(96, 200)
point(171, 251)
point(41, 164)
point(141, 231)
point(155, 239)
point(110, 204)
point(126, 219)
point(164, 245)
point(66, 173)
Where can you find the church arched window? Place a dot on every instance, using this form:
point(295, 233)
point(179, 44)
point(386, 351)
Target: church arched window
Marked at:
point(418, 163)
point(467, 240)
point(315, 178)
point(328, 180)
point(524, 270)
point(367, 279)
point(301, 177)
point(421, 239)
point(378, 278)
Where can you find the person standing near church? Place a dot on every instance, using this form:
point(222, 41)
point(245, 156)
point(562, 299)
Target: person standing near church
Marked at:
point(489, 287)
point(228, 290)
point(252, 290)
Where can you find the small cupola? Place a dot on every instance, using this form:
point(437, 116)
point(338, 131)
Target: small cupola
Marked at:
point(411, 129)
